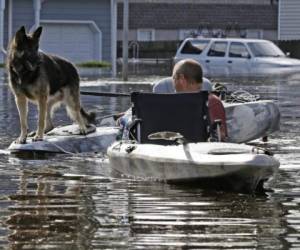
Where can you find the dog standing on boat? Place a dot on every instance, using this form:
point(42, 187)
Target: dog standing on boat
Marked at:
point(45, 80)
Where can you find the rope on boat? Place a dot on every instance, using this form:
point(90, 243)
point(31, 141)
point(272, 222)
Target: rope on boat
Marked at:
point(240, 95)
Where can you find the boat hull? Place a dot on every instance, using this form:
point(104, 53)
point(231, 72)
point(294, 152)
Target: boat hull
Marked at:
point(251, 120)
point(67, 139)
point(194, 162)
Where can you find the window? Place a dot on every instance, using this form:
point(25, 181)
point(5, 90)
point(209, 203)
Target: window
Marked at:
point(237, 49)
point(145, 35)
point(265, 49)
point(194, 46)
point(218, 49)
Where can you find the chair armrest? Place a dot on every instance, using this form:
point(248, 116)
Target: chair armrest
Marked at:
point(216, 128)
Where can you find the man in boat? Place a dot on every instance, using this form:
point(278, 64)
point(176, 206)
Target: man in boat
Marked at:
point(187, 77)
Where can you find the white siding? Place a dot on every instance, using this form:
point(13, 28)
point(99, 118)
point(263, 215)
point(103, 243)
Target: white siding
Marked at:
point(289, 20)
point(97, 11)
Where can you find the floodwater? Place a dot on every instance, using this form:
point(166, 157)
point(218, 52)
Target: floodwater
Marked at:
point(73, 201)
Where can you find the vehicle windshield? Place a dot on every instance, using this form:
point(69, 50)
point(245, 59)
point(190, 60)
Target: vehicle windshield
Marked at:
point(265, 49)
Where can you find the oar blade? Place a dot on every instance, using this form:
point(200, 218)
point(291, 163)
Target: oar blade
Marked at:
point(108, 94)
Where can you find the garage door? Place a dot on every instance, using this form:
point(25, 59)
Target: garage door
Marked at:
point(78, 42)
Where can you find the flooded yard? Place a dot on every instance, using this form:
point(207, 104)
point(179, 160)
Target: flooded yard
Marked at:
point(74, 202)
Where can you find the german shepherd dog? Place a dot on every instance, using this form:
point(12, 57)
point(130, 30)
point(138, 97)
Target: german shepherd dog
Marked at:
point(45, 80)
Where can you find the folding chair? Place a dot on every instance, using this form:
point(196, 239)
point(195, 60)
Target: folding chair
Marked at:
point(184, 113)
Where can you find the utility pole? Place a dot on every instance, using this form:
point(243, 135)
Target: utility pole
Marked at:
point(125, 40)
point(113, 4)
point(2, 50)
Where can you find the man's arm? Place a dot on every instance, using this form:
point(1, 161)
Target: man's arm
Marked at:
point(217, 112)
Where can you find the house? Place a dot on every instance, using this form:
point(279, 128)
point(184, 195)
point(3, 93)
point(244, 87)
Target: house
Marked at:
point(156, 27)
point(79, 30)
point(161, 20)
point(289, 26)
point(86, 30)
point(289, 20)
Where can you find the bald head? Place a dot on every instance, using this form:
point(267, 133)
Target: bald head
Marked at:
point(187, 75)
point(190, 69)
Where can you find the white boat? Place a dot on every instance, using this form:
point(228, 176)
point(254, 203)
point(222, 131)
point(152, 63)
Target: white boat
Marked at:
point(230, 165)
point(245, 122)
point(67, 139)
point(237, 166)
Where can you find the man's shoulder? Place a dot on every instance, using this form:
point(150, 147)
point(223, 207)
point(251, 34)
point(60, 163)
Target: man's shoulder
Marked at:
point(164, 85)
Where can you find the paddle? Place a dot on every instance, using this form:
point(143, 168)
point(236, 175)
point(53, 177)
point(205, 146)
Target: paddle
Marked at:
point(109, 120)
point(108, 94)
point(169, 136)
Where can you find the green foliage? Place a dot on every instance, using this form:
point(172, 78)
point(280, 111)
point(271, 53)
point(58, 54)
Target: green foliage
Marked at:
point(94, 64)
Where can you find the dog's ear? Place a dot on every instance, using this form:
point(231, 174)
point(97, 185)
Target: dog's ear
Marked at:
point(37, 33)
point(20, 35)
point(21, 30)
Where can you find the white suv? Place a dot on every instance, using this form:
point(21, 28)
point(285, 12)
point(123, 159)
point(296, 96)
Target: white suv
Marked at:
point(237, 56)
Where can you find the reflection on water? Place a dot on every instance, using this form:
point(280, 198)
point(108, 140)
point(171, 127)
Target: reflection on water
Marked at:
point(49, 211)
point(74, 202)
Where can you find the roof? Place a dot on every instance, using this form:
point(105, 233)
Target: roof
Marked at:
point(228, 39)
point(187, 16)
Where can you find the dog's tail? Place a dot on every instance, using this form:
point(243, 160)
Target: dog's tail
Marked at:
point(90, 117)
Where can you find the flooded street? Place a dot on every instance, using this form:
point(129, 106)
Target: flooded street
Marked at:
point(74, 202)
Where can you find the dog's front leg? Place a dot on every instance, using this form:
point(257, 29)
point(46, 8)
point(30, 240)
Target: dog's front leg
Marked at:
point(22, 105)
point(42, 109)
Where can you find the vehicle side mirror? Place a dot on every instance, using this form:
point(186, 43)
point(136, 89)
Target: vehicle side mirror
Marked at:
point(246, 55)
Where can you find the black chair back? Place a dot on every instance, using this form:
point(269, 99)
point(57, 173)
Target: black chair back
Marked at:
point(184, 113)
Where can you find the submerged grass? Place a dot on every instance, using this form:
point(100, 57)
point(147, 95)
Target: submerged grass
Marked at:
point(94, 64)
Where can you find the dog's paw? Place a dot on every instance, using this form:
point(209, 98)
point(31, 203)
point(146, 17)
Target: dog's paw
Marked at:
point(20, 140)
point(37, 138)
point(83, 131)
